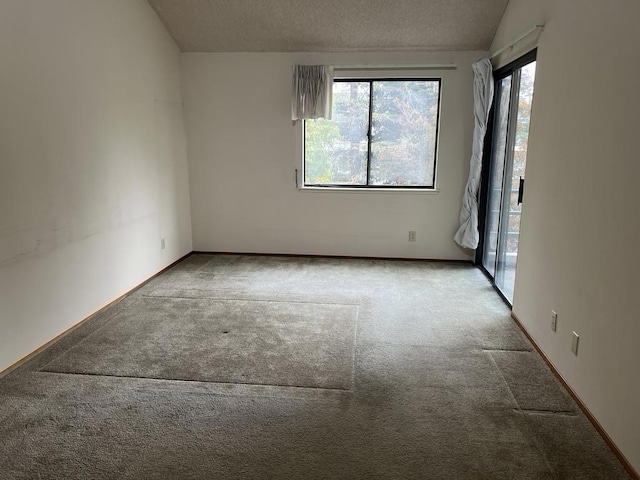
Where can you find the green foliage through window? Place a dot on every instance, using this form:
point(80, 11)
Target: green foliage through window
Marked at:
point(383, 134)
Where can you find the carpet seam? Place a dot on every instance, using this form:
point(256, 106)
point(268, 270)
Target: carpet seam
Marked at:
point(493, 360)
point(520, 410)
point(107, 321)
point(535, 411)
point(505, 350)
point(86, 374)
point(355, 348)
point(250, 300)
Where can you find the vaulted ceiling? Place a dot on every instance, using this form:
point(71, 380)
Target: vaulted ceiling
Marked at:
point(330, 25)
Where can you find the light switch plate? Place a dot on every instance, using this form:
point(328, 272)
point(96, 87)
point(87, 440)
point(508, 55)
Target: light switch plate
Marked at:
point(574, 343)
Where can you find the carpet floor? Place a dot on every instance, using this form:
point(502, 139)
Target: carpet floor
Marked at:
point(259, 367)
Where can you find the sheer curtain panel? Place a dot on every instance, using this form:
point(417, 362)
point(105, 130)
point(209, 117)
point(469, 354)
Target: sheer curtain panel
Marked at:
point(311, 95)
point(467, 235)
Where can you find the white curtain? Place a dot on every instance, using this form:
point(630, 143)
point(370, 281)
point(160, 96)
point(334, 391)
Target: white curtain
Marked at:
point(467, 235)
point(312, 91)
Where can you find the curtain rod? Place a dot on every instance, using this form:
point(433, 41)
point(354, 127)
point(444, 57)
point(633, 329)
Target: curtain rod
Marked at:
point(412, 66)
point(512, 43)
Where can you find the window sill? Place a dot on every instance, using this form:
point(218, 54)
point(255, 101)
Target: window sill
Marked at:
point(385, 191)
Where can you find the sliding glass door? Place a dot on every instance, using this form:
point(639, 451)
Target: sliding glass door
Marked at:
point(503, 183)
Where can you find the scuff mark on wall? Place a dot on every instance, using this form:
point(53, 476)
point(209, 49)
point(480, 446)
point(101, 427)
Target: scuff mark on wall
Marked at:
point(19, 244)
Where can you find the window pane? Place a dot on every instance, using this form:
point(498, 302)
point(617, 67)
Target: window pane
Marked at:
point(506, 282)
point(494, 199)
point(336, 150)
point(404, 130)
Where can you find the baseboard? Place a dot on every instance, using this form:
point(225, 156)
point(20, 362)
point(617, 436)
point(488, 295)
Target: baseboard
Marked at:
point(29, 356)
point(605, 436)
point(348, 257)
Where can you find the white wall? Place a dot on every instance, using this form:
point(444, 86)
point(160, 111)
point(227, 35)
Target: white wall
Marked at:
point(243, 152)
point(580, 225)
point(92, 161)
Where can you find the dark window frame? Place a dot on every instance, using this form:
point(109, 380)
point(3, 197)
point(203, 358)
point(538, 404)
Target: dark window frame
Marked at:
point(431, 187)
point(487, 153)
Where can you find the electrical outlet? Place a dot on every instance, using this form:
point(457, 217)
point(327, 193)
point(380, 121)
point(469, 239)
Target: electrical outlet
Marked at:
point(554, 320)
point(574, 343)
point(162, 243)
point(412, 236)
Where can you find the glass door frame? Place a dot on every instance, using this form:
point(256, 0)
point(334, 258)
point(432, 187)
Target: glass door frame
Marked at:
point(487, 155)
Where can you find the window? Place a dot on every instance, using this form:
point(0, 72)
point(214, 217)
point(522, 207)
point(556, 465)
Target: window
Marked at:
point(383, 135)
point(503, 172)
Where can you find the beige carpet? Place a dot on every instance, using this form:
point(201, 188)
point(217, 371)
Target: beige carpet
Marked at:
point(296, 344)
point(249, 367)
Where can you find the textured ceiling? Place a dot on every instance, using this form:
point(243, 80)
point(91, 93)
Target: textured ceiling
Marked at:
point(330, 25)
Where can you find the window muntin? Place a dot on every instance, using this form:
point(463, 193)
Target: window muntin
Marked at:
point(383, 135)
